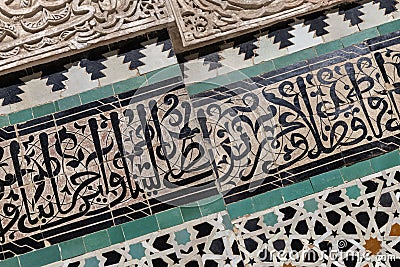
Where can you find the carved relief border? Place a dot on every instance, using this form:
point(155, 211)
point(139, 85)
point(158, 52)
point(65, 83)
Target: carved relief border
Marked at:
point(35, 30)
point(201, 21)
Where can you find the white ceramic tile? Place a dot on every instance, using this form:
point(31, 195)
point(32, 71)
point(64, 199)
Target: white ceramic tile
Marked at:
point(303, 38)
point(198, 70)
point(231, 60)
point(116, 69)
point(373, 16)
point(78, 81)
point(36, 92)
point(155, 58)
point(338, 27)
point(267, 50)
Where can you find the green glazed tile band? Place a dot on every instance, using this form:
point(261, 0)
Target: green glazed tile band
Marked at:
point(10, 262)
point(326, 180)
point(40, 257)
point(118, 234)
point(389, 27)
point(96, 94)
point(96, 240)
point(91, 96)
point(359, 37)
point(44, 110)
point(326, 48)
point(296, 57)
point(72, 248)
point(20, 116)
point(313, 185)
point(169, 218)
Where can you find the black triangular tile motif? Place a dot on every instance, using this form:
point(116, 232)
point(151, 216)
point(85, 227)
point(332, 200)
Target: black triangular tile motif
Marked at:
point(247, 45)
point(10, 88)
point(281, 34)
point(164, 40)
point(56, 80)
point(54, 73)
point(317, 23)
point(388, 5)
point(352, 12)
point(213, 60)
point(94, 66)
point(131, 51)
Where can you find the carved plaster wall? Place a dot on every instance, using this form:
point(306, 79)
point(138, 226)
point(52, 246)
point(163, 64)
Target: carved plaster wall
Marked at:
point(204, 20)
point(32, 30)
point(37, 30)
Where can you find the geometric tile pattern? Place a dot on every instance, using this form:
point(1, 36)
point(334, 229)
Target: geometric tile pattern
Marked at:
point(85, 71)
point(356, 224)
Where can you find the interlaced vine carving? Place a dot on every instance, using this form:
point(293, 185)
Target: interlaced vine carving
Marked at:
point(202, 20)
point(37, 27)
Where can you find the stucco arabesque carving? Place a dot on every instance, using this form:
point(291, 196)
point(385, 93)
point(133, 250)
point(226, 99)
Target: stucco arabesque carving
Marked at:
point(39, 30)
point(32, 30)
point(200, 21)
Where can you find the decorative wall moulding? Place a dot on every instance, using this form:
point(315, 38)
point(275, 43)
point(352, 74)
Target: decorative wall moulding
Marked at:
point(201, 21)
point(36, 30)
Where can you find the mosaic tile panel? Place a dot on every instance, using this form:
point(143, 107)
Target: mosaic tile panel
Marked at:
point(146, 150)
point(352, 225)
point(113, 156)
point(355, 224)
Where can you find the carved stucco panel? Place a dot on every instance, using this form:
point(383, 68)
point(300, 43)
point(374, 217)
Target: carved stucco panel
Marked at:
point(32, 30)
point(204, 20)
